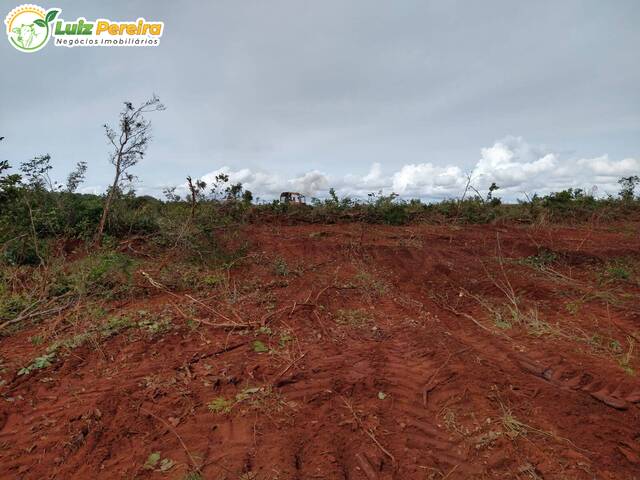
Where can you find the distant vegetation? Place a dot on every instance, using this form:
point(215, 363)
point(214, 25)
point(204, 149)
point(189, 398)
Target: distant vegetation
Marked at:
point(40, 218)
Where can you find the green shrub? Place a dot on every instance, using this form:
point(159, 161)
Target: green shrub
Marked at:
point(104, 274)
point(115, 325)
point(11, 305)
point(20, 251)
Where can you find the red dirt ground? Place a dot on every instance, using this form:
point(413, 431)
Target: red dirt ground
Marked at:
point(388, 359)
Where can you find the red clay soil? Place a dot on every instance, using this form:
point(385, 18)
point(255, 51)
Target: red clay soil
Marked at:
point(393, 353)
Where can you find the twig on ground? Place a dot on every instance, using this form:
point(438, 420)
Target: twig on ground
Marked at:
point(224, 325)
point(337, 287)
point(466, 315)
point(207, 307)
point(227, 348)
point(39, 313)
point(288, 368)
point(162, 287)
point(368, 432)
point(267, 318)
point(450, 472)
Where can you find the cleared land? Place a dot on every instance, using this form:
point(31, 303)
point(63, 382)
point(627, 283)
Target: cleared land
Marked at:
point(341, 352)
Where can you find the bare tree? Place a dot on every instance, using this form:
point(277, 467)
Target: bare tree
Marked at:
point(195, 190)
point(129, 142)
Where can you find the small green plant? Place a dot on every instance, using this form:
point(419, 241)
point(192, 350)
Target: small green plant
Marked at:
point(618, 272)
point(501, 321)
point(542, 259)
point(215, 279)
point(115, 325)
point(259, 347)
point(285, 338)
point(573, 307)
point(260, 398)
point(370, 283)
point(265, 330)
point(192, 476)
point(157, 463)
point(152, 461)
point(220, 405)
point(614, 346)
point(37, 340)
point(192, 324)
point(70, 343)
point(280, 267)
point(153, 325)
point(38, 363)
point(224, 405)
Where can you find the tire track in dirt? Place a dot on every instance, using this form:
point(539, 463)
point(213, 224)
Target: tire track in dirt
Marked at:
point(505, 361)
point(616, 392)
point(315, 394)
point(408, 374)
point(403, 370)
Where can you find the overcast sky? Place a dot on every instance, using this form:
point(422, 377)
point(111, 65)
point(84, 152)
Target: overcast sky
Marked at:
point(404, 96)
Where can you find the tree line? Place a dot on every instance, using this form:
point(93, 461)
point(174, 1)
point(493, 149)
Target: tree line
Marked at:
point(39, 216)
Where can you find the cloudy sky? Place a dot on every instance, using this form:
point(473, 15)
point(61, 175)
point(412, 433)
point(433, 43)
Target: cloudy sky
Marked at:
point(405, 96)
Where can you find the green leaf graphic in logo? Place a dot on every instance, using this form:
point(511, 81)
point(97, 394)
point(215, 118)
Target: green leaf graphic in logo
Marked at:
point(39, 22)
point(51, 15)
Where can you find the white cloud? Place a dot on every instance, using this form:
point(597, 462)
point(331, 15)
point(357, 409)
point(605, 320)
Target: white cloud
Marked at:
point(513, 164)
point(518, 167)
point(412, 180)
point(604, 167)
point(310, 183)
